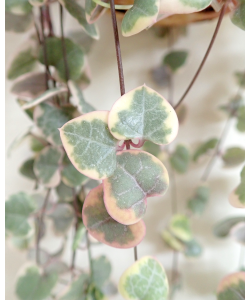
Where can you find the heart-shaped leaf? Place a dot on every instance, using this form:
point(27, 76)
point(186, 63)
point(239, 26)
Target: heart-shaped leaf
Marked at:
point(175, 60)
point(182, 6)
point(180, 159)
point(144, 114)
point(46, 166)
point(180, 227)
point(237, 232)
point(75, 57)
point(232, 287)
point(204, 148)
point(233, 156)
point(238, 16)
point(145, 279)
point(26, 169)
point(101, 271)
point(35, 285)
point(17, 23)
point(93, 11)
point(138, 175)
point(237, 197)
point(89, 144)
point(105, 229)
point(64, 192)
point(198, 203)
point(172, 241)
point(142, 15)
point(37, 144)
point(48, 119)
point(78, 12)
point(222, 228)
point(77, 289)
point(17, 211)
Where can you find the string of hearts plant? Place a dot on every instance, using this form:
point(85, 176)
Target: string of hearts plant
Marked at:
point(88, 165)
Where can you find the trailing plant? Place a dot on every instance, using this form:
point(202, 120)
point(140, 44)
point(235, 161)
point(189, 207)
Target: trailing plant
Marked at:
point(91, 173)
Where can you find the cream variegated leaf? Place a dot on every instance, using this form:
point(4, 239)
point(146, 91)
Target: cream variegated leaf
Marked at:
point(89, 145)
point(104, 228)
point(138, 175)
point(180, 228)
point(238, 14)
point(222, 228)
point(232, 287)
point(145, 279)
point(93, 11)
point(172, 241)
point(182, 6)
point(143, 114)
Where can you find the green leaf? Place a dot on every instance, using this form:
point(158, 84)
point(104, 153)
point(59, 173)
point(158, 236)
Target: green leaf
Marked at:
point(232, 287)
point(46, 166)
point(152, 148)
point(33, 285)
point(64, 192)
point(62, 217)
point(23, 63)
point(49, 94)
point(105, 229)
point(22, 242)
point(93, 11)
point(89, 145)
point(36, 145)
point(233, 156)
point(17, 23)
point(204, 148)
point(237, 197)
point(138, 175)
point(222, 228)
point(101, 271)
point(18, 140)
point(78, 100)
point(82, 39)
point(180, 228)
point(238, 16)
point(19, 7)
point(77, 289)
point(198, 203)
point(78, 12)
point(78, 236)
point(182, 6)
point(143, 114)
point(48, 119)
point(180, 159)
point(172, 241)
point(175, 60)
point(237, 232)
point(145, 279)
point(74, 57)
point(26, 169)
point(241, 119)
point(17, 211)
point(240, 76)
point(193, 249)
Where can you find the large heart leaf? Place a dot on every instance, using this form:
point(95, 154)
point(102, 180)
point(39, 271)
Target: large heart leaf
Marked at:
point(238, 16)
point(142, 15)
point(17, 23)
point(48, 119)
point(143, 113)
point(105, 229)
point(17, 211)
point(46, 166)
point(74, 56)
point(145, 279)
point(237, 197)
point(93, 11)
point(222, 228)
point(33, 285)
point(89, 144)
point(138, 175)
point(197, 203)
point(182, 6)
point(180, 227)
point(232, 287)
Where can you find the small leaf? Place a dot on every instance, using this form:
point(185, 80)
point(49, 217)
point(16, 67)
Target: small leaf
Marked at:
point(35, 285)
point(237, 197)
point(105, 229)
point(17, 23)
point(78, 100)
point(232, 287)
point(23, 63)
point(161, 76)
point(175, 60)
point(77, 289)
point(180, 227)
point(241, 119)
point(93, 11)
point(204, 148)
point(138, 175)
point(75, 57)
point(19, 7)
point(37, 145)
point(17, 211)
point(182, 6)
point(143, 114)
point(142, 15)
point(172, 241)
point(18, 140)
point(62, 217)
point(78, 12)
point(152, 148)
point(101, 271)
point(222, 228)
point(78, 236)
point(64, 192)
point(237, 232)
point(81, 39)
point(233, 156)
point(180, 159)
point(240, 76)
point(193, 249)
point(145, 279)
point(46, 166)
point(198, 203)
point(48, 119)
point(238, 16)
point(26, 169)
point(89, 145)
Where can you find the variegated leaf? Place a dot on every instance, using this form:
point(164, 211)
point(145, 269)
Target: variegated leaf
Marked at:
point(144, 114)
point(145, 279)
point(182, 6)
point(105, 229)
point(180, 227)
point(17, 23)
point(237, 197)
point(18, 140)
point(18, 7)
point(142, 15)
point(64, 192)
point(138, 175)
point(78, 100)
point(89, 144)
point(62, 217)
point(78, 12)
point(46, 166)
point(232, 287)
point(172, 241)
point(238, 16)
point(93, 11)
point(222, 228)
point(48, 119)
